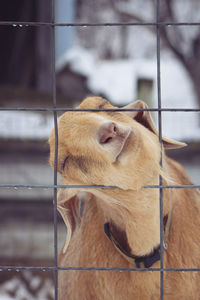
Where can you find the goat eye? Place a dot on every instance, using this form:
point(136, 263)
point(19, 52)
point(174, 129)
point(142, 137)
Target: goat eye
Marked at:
point(64, 162)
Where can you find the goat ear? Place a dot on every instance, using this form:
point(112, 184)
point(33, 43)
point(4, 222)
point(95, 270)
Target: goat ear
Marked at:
point(145, 119)
point(69, 204)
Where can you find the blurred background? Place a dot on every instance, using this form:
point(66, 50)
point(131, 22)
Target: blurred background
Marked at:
point(116, 62)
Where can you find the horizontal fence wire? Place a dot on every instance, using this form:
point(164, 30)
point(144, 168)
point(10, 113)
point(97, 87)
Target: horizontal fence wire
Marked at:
point(65, 109)
point(52, 268)
point(108, 24)
point(56, 109)
point(61, 186)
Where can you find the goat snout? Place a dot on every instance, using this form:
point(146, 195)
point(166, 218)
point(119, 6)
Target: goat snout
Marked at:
point(113, 138)
point(107, 132)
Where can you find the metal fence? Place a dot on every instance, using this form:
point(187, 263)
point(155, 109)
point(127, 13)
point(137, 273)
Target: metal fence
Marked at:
point(52, 25)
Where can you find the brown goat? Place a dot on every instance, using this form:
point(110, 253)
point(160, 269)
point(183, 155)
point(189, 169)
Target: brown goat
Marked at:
point(120, 228)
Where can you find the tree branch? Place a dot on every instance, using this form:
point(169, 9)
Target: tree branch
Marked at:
point(166, 15)
point(129, 16)
point(166, 39)
point(196, 46)
point(169, 15)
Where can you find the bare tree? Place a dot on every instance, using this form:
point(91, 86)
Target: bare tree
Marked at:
point(182, 41)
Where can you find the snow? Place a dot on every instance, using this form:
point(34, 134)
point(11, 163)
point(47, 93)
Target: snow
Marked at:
point(23, 125)
point(82, 60)
point(117, 80)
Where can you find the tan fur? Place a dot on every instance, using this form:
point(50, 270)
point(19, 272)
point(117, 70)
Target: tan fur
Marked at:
point(134, 209)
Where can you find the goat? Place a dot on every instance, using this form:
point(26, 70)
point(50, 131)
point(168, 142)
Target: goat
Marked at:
point(120, 227)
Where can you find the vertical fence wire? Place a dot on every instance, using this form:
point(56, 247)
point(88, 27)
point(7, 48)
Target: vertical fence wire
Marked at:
point(53, 28)
point(160, 140)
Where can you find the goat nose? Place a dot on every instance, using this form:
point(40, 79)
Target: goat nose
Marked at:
point(107, 132)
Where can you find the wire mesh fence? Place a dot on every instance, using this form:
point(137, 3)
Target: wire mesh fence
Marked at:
point(159, 109)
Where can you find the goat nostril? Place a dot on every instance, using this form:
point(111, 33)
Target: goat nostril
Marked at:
point(107, 132)
point(107, 140)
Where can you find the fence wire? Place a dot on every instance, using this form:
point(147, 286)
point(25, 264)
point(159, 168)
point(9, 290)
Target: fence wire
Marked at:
point(157, 25)
point(56, 153)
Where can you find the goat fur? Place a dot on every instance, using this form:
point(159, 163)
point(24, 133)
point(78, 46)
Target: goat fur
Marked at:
point(134, 209)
